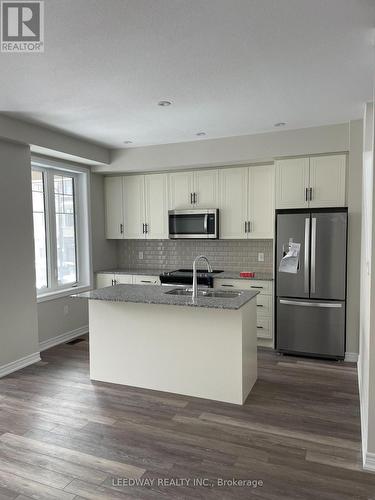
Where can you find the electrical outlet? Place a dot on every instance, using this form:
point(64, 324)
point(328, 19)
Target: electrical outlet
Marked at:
point(260, 257)
point(66, 310)
point(140, 255)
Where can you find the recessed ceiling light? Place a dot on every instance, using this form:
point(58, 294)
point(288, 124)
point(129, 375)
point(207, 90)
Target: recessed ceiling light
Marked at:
point(164, 103)
point(279, 124)
point(128, 142)
point(200, 134)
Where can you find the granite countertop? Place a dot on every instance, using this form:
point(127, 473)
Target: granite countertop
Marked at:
point(232, 275)
point(151, 294)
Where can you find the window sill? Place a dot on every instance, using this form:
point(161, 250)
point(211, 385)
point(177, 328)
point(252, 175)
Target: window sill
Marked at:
point(62, 293)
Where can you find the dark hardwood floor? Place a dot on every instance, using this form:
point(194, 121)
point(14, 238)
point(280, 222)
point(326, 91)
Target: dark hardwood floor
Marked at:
point(64, 437)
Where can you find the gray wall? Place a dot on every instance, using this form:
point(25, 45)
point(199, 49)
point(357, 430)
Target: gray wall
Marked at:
point(103, 251)
point(18, 311)
point(236, 255)
point(61, 316)
point(230, 150)
point(64, 315)
point(51, 141)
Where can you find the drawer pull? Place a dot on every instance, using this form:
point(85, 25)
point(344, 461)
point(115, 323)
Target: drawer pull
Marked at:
point(252, 286)
point(260, 327)
point(228, 285)
point(146, 281)
point(260, 305)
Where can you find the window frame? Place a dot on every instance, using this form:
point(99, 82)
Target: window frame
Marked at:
point(81, 198)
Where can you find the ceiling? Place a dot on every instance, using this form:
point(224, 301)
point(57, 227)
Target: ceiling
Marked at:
point(230, 67)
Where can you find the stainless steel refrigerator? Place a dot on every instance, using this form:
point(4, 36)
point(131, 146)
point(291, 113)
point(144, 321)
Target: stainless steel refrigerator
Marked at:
point(311, 302)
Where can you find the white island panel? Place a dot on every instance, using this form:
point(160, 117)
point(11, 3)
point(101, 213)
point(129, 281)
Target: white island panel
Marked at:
point(202, 352)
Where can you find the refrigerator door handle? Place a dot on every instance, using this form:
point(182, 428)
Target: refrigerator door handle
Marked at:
point(335, 305)
point(306, 265)
point(313, 253)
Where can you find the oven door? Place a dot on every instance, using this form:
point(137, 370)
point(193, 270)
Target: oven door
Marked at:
point(193, 224)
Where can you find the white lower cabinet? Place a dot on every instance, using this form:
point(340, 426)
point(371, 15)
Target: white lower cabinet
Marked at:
point(110, 279)
point(145, 280)
point(104, 279)
point(264, 302)
point(124, 279)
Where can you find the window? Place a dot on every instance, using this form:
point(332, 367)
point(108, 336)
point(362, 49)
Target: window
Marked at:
point(39, 216)
point(61, 235)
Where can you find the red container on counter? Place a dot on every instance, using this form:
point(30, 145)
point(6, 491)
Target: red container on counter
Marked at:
point(246, 274)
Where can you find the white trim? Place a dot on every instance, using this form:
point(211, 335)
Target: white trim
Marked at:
point(64, 337)
point(369, 461)
point(82, 181)
point(63, 293)
point(364, 431)
point(351, 357)
point(13, 366)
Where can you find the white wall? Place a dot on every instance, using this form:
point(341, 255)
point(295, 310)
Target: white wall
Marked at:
point(18, 312)
point(366, 365)
point(354, 182)
point(231, 150)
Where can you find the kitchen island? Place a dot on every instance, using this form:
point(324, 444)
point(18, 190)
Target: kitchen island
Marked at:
point(155, 338)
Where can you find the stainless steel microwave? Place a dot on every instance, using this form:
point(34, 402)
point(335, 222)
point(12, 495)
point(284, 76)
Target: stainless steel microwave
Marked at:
point(194, 223)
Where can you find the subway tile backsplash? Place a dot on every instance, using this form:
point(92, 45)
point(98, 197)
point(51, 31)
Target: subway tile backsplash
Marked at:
point(236, 255)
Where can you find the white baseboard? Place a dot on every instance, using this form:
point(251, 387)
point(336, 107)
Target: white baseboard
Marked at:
point(351, 357)
point(64, 337)
point(369, 462)
point(19, 363)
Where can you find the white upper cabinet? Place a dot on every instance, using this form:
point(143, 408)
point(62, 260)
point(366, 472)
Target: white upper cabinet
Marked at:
point(261, 204)
point(233, 203)
point(134, 207)
point(181, 190)
point(292, 182)
point(197, 189)
point(156, 206)
point(327, 181)
point(315, 182)
point(206, 189)
point(247, 202)
point(114, 218)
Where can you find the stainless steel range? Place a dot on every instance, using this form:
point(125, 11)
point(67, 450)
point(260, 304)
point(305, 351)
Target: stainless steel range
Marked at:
point(184, 277)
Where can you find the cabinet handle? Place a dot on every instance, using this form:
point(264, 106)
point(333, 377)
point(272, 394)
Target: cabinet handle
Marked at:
point(249, 227)
point(228, 285)
point(253, 286)
point(113, 282)
point(191, 198)
point(306, 194)
point(245, 226)
point(260, 327)
point(146, 281)
point(122, 228)
point(311, 193)
point(146, 228)
point(143, 228)
point(195, 198)
point(259, 305)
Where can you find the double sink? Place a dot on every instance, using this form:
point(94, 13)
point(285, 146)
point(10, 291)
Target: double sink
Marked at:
point(210, 294)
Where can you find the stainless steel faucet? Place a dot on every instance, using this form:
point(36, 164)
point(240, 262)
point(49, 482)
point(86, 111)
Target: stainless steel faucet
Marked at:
point(195, 281)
